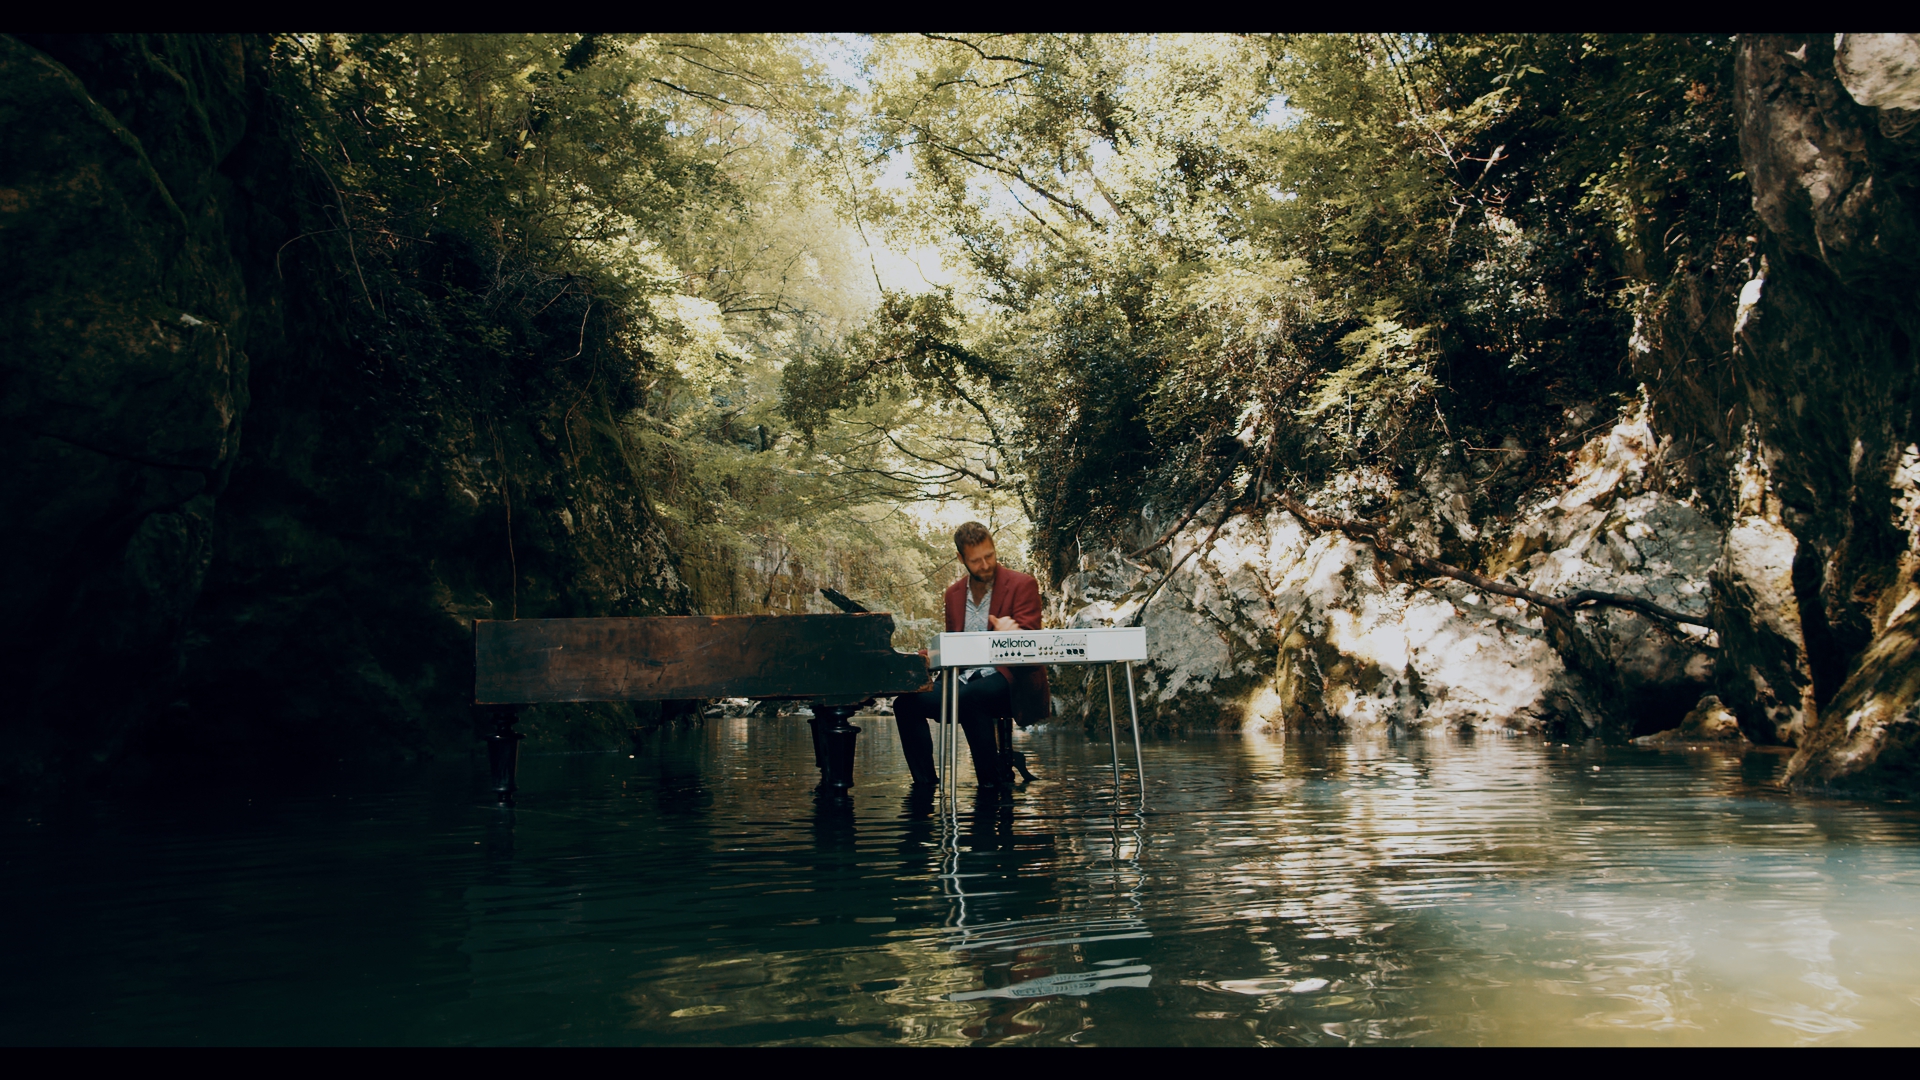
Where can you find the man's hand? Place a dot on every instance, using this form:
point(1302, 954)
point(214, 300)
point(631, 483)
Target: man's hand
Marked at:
point(1001, 622)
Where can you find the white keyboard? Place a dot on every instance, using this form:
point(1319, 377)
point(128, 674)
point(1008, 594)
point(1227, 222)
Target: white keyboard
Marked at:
point(994, 648)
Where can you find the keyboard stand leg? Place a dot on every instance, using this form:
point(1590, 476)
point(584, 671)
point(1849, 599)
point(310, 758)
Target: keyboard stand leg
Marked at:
point(1139, 764)
point(1113, 737)
point(952, 729)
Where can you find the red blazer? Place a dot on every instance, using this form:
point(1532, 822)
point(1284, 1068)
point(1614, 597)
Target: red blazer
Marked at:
point(1015, 595)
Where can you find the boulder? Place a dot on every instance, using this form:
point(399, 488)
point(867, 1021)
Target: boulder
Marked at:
point(1763, 661)
point(1648, 545)
point(1868, 738)
point(1880, 70)
point(1709, 722)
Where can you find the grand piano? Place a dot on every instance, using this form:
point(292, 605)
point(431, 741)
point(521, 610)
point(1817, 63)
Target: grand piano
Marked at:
point(838, 663)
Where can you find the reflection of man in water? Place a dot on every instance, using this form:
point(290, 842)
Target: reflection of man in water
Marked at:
point(990, 597)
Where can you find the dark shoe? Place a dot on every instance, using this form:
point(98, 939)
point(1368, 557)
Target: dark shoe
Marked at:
point(919, 802)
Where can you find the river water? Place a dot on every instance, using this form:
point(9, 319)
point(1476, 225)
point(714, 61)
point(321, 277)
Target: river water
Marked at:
point(1429, 891)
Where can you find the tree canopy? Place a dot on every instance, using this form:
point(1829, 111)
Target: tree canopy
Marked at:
point(1168, 258)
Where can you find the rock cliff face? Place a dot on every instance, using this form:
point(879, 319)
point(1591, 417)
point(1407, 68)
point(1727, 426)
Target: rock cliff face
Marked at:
point(1274, 626)
point(1793, 393)
point(1827, 352)
point(125, 377)
point(251, 520)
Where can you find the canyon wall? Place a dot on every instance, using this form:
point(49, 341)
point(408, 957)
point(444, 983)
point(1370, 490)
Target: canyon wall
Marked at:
point(1766, 480)
point(262, 481)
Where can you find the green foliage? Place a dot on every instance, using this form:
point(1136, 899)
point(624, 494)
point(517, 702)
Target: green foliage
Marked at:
point(1345, 249)
point(629, 236)
point(910, 349)
point(1388, 372)
point(1299, 252)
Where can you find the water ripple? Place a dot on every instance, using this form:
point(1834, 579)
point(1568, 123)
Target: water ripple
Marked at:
point(1272, 893)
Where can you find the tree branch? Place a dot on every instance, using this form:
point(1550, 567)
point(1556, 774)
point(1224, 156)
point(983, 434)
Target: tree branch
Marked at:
point(1225, 475)
point(999, 439)
point(1168, 576)
point(1374, 534)
point(981, 53)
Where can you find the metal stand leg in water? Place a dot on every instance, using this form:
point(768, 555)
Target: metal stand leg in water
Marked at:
point(1113, 736)
point(950, 733)
point(948, 749)
point(1139, 762)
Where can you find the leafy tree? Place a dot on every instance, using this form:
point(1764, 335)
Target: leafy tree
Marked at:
point(656, 204)
point(1189, 259)
point(1374, 252)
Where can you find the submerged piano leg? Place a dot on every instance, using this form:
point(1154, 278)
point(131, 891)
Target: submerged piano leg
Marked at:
point(837, 738)
point(503, 752)
point(816, 725)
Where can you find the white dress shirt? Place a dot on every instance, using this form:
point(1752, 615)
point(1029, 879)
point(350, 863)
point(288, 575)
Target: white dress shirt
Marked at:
point(977, 621)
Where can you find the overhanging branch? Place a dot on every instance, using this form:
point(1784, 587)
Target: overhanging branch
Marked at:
point(1374, 533)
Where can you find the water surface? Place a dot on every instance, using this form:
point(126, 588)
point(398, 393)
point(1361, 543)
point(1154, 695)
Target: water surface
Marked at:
point(1425, 891)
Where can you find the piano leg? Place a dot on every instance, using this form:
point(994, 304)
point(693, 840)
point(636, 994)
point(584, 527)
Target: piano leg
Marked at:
point(503, 752)
point(837, 738)
point(815, 725)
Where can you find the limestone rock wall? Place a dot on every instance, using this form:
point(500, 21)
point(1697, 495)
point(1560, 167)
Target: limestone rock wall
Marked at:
point(1828, 362)
point(1274, 625)
point(123, 379)
point(1790, 511)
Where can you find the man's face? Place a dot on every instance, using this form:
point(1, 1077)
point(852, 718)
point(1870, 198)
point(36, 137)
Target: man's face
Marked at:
point(980, 561)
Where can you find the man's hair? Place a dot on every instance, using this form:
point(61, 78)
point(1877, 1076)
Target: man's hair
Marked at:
point(969, 535)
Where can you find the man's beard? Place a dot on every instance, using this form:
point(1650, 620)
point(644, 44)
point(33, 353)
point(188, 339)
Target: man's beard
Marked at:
point(986, 578)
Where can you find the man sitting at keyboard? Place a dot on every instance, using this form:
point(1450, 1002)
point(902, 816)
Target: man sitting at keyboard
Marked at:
point(989, 597)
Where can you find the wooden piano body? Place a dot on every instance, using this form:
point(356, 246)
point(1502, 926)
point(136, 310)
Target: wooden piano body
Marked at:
point(839, 662)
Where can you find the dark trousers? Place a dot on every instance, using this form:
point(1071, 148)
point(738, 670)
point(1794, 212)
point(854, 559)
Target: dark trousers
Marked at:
point(984, 699)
